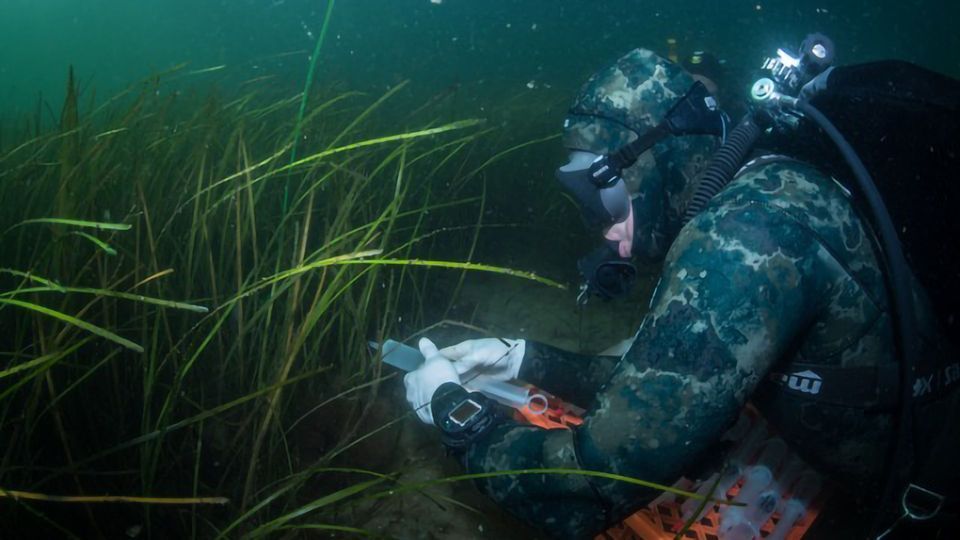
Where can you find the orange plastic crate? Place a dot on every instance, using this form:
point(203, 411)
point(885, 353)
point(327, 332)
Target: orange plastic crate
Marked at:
point(665, 518)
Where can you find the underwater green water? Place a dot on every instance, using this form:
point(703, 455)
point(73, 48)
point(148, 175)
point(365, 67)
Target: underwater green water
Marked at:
point(514, 63)
point(375, 43)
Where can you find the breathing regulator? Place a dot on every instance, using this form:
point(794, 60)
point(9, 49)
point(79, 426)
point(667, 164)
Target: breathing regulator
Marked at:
point(792, 75)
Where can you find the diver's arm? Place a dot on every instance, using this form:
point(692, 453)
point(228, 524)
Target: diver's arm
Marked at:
point(738, 288)
point(575, 377)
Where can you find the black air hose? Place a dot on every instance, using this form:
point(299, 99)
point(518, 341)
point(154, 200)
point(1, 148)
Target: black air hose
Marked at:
point(724, 164)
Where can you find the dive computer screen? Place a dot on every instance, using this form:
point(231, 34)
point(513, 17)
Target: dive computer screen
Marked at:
point(463, 412)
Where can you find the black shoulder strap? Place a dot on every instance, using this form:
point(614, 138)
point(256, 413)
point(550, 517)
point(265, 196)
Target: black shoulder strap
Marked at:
point(870, 388)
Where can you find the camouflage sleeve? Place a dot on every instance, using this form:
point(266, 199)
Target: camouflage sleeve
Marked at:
point(575, 377)
point(738, 289)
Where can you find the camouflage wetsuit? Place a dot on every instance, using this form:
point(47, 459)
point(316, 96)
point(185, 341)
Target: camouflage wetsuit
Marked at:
point(778, 269)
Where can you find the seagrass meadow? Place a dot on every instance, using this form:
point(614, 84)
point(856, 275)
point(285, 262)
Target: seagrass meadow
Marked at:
point(187, 299)
point(209, 209)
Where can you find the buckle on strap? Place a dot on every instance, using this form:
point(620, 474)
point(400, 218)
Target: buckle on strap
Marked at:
point(920, 504)
point(916, 504)
point(584, 295)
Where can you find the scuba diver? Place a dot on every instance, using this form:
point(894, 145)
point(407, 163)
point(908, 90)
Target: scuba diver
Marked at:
point(771, 269)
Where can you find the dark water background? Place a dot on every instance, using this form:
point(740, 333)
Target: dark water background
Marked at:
point(375, 43)
point(488, 53)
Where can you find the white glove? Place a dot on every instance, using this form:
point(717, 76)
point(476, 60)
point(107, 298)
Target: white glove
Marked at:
point(422, 382)
point(492, 357)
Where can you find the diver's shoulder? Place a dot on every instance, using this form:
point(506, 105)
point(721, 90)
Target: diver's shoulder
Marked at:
point(778, 173)
point(786, 184)
point(790, 200)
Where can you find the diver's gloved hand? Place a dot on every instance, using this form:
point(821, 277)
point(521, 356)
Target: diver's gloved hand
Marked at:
point(422, 382)
point(495, 358)
point(816, 85)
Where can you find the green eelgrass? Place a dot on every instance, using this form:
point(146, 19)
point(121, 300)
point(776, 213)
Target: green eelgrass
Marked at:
point(44, 362)
point(700, 507)
point(187, 422)
point(296, 481)
point(315, 505)
point(189, 186)
point(97, 242)
point(308, 84)
point(79, 323)
point(71, 320)
point(52, 285)
point(100, 226)
point(108, 293)
point(88, 499)
point(555, 471)
point(30, 364)
point(283, 521)
point(359, 258)
point(306, 96)
point(462, 124)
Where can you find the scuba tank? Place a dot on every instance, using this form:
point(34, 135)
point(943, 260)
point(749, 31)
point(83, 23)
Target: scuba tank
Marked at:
point(904, 123)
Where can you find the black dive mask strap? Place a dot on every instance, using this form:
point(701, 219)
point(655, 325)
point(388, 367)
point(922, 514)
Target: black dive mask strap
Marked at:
point(696, 113)
point(606, 170)
point(628, 154)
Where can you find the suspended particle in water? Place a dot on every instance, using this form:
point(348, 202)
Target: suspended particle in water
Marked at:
point(306, 30)
point(436, 2)
point(531, 85)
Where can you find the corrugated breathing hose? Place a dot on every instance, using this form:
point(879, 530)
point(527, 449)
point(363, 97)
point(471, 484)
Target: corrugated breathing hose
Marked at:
point(724, 164)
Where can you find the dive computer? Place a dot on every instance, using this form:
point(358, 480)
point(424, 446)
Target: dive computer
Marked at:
point(462, 416)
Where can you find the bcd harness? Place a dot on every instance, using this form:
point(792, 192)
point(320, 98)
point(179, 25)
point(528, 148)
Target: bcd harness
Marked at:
point(921, 375)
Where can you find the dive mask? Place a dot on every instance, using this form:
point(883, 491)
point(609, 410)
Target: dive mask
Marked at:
point(602, 201)
point(595, 182)
point(596, 185)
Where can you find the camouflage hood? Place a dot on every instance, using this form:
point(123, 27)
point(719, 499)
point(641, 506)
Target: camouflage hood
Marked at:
point(612, 109)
